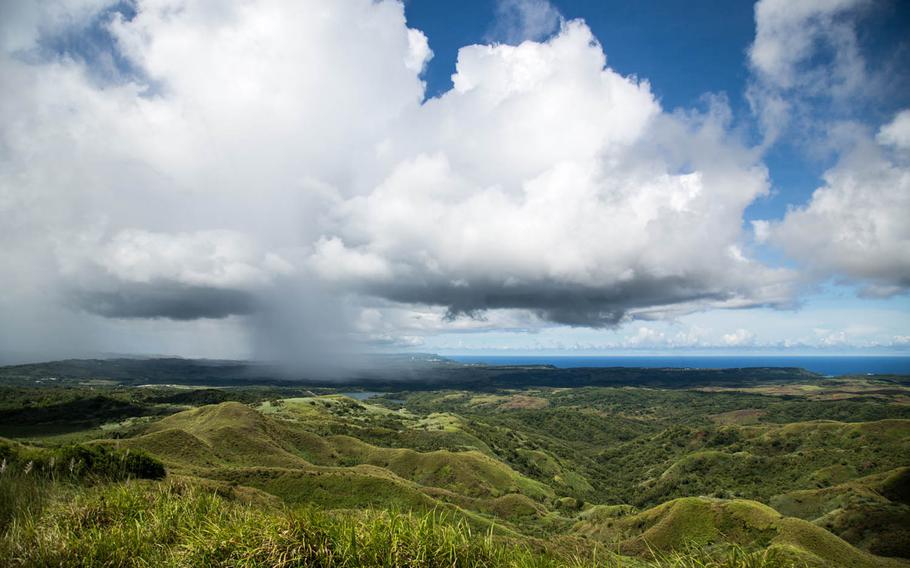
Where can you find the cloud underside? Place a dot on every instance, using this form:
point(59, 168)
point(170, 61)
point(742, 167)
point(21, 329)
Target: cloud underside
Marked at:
point(564, 304)
point(203, 163)
point(165, 300)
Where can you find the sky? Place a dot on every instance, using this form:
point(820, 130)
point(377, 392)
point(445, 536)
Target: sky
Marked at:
point(305, 181)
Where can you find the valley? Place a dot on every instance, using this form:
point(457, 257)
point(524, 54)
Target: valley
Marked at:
point(776, 469)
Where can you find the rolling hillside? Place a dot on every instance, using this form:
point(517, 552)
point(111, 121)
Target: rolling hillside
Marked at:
point(567, 477)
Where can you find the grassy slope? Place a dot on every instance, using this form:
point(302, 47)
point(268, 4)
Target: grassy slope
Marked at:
point(613, 444)
point(272, 450)
point(872, 512)
point(234, 443)
point(702, 521)
point(531, 460)
point(760, 461)
point(179, 523)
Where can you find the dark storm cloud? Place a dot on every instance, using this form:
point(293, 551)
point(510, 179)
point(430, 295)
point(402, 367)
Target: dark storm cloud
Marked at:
point(569, 304)
point(165, 300)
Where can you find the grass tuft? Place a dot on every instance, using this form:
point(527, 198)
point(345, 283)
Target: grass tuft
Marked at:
point(180, 523)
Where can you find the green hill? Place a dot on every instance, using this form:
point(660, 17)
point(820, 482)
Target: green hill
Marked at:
point(701, 521)
point(234, 442)
point(872, 512)
point(184, 523)
point(617, 476)
point(758, 462)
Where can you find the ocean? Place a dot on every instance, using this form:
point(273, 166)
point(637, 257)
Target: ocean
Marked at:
point(825, 365)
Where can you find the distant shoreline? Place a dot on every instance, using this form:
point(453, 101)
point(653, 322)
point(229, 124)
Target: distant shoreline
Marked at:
point(821, 364)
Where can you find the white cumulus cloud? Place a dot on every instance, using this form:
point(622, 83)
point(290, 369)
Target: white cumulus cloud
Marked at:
point(855, 225)
point(275, 157)
point(738, 338)
point(565, 190)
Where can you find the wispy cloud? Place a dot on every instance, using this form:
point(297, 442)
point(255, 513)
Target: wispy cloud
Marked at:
point(520, 20)
point(805, 51)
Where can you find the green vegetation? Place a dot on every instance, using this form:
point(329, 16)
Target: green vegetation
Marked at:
point(77, 462)
point(28, 474)
point(871, 512)
point(793, 471)
point(179, 523)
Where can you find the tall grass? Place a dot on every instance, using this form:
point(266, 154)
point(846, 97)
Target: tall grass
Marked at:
point(20, 496)
point(76, 463)
point(727, 557)
point(178, 523)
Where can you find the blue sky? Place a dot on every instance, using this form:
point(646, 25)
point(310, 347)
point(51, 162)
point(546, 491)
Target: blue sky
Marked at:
point(642, 38)
point(508, 176)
